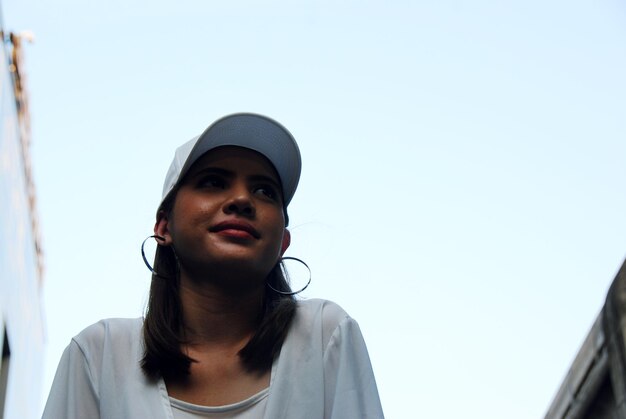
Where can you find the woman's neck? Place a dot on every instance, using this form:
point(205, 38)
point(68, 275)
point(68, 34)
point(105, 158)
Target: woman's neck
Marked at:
point(216, 316)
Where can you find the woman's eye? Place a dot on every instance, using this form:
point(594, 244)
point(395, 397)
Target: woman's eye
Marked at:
point(267, 191)
point(212, 182)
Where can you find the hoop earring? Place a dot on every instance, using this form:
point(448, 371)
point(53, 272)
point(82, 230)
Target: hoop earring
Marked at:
point(291, 292)
point(143, 254)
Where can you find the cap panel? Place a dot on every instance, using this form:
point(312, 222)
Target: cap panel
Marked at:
point(174, 172)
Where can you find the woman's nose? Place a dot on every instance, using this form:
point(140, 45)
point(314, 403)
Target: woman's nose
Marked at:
point(240, 203)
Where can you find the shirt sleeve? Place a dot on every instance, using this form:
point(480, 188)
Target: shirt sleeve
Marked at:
point(350, 387)
point(73, 394)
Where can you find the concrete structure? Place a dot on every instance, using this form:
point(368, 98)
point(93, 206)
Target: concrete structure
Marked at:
point(595, 386)
point(21, 269)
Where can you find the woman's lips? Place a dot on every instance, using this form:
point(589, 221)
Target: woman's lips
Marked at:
point(235, 228)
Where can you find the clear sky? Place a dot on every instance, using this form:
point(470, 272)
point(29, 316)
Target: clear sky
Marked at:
point(464, 180)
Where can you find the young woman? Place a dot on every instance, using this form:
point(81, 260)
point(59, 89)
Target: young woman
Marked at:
point(223, 335)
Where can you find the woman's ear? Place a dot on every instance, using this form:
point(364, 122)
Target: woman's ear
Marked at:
point(161, 228)
point(286, 242)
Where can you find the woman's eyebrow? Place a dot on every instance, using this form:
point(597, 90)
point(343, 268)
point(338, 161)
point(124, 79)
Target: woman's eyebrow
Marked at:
point(214, 171)
point(265, 178)
point(230, 174)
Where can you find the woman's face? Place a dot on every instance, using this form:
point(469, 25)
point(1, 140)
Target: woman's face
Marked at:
point(228, 215)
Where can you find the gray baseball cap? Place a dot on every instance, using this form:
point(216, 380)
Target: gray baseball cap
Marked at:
point(255, 132)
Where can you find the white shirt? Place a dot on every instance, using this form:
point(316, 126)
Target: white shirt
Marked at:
point(250, 408)
point(322, 371)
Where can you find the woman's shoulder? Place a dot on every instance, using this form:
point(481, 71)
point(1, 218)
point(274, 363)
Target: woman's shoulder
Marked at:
point(116, 331)
point(317, 308)
point(315, 314)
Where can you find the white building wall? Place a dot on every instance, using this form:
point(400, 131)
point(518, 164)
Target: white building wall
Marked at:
point(20, 285)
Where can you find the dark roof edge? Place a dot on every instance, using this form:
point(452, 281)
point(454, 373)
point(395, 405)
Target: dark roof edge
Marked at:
point(614, 322)
point(584, 376)
point(603, 352)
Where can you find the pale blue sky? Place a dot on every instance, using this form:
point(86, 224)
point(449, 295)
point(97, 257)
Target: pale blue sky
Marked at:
point(463, 187)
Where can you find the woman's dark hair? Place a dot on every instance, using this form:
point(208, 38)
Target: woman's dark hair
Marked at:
point(163, 328)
